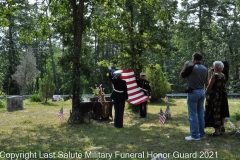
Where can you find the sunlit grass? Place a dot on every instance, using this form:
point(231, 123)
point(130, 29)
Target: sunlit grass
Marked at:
point(37, 128)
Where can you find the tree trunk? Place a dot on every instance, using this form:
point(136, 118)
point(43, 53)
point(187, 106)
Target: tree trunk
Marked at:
point(76, 117)
point(200, 29)
point(53, 63)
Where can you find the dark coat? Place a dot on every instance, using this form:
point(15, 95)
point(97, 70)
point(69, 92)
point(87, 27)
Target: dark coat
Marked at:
point(142, 83)
point(119, 85)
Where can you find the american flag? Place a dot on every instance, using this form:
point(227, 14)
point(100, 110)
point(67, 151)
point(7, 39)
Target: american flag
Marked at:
point(168, 110)
point(135, 94)
point(60, 114)
point(166, 98)
point(100, 100)
point(162, 117)
point(70, 100)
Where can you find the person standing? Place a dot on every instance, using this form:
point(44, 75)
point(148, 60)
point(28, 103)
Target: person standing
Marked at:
point(224, 104)
point(196, 75)
point(145, 87)
point(214, 91)
point(119, 96)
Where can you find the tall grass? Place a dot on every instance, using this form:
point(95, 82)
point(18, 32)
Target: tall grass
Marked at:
point(37, 131)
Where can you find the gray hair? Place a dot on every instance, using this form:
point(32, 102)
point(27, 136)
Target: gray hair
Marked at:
point(219, 65)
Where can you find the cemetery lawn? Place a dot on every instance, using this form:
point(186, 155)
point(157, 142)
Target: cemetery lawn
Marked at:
point(37, 132)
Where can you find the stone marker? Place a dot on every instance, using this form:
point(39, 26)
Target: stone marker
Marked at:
point(14, 103)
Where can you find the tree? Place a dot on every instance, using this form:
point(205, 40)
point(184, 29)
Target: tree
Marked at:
point(78, 19)
point(47, 86)
point(137, 28)
point(26, 71)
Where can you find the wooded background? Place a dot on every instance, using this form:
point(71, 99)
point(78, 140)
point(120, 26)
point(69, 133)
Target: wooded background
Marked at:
point(70, 43)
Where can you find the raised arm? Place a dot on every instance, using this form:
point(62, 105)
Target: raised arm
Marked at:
point(210, 83)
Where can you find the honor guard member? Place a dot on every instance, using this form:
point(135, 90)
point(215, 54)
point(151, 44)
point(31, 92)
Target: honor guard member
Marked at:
point(145, 87)
point(119, 96)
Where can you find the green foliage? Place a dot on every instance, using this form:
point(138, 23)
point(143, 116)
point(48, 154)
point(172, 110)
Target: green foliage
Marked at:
point(238, 3)
point(159, 84)
point(35, 98)
point(2, 104)
point(47, 86)
point(237, 116)
point(135, 28)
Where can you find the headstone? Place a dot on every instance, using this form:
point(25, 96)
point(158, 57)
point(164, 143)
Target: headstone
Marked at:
point(56, 98)
point(14, 103)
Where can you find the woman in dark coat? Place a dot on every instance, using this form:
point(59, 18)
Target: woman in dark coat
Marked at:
point(214, 91)
point(119, 96)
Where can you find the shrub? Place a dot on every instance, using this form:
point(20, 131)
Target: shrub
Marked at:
point(2, 104)
point(35, 98)
point(159, 84)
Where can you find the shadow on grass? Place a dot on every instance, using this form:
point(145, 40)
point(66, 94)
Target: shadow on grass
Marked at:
point(50, 104)
point(138, 135)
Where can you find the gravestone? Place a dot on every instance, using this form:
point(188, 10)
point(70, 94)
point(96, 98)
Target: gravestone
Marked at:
point(14, 103)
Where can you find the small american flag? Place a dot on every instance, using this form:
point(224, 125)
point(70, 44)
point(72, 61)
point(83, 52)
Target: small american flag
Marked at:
point(166, 98)
point(168, 110)
point(100, 100)
point(60, 115)
point(162, 118)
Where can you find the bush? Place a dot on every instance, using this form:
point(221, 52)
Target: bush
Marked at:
point(159, 84)
point(2, 104)
point(35, 98)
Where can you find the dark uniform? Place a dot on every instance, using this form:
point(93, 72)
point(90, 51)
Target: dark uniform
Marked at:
point(145, 86)
point(119, 96)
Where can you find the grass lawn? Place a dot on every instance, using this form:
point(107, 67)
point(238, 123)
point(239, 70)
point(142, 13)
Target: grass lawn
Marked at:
point(36, 132)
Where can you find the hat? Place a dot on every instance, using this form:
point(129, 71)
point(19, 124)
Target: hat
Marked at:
point(118, 72)
point(142, 74)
